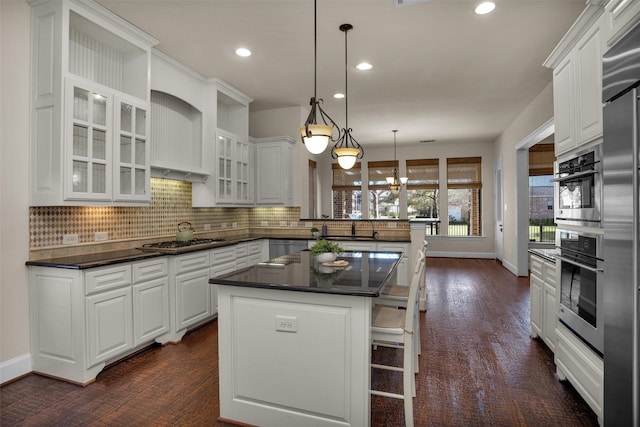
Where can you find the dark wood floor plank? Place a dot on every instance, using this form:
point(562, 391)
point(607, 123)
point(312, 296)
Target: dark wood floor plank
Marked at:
point(478, 368)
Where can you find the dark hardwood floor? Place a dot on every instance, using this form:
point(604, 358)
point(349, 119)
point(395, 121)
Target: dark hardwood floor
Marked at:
point(478, 368)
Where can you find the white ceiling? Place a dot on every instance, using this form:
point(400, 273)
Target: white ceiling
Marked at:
point(440, 71)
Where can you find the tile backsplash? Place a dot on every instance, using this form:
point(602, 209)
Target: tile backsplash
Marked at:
point(171, 204)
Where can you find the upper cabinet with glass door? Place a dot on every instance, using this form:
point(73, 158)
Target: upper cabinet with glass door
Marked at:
point(90, 103)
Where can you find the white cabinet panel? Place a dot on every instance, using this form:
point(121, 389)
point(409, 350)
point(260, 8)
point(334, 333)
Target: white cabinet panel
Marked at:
point(274, 168)
point(109, 325)
point(102, 279)
point(192, 298)
point(150, 310)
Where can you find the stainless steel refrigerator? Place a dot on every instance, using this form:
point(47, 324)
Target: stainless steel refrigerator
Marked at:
point(621, 77)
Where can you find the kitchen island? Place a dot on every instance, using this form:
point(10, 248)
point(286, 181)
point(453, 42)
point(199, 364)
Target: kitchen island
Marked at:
point(294, 340)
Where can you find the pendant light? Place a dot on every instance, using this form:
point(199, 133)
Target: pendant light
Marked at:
point(315, 136)
point(347, 150)
point(395, 183)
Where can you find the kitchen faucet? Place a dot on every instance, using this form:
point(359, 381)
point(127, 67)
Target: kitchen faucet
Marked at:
point(374, 233)
point(353, 228)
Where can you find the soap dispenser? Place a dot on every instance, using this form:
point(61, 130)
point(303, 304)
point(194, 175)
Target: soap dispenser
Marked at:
point(324, 230)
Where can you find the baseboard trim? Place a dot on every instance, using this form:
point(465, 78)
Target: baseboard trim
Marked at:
point(483, 255)
point(15, 368)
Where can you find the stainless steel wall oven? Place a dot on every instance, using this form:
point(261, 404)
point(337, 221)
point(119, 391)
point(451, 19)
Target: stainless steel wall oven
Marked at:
point(582, 285)
point(578, 190)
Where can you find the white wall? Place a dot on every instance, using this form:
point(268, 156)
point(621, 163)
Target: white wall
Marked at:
point(539, 111)
point(14, 189)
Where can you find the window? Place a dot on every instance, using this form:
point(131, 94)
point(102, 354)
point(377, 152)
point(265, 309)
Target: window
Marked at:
point(313, 183)
point(383, 204)
point(464, 195)
point(347, 192)
point(423, 192)
point(542, 227)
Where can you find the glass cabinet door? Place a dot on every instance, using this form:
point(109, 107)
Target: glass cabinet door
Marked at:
point(88, 175)
point(242, 172)
point(132, 169)
point(225, 164)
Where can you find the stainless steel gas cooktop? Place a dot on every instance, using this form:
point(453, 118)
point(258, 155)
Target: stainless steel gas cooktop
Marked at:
point(175, 246)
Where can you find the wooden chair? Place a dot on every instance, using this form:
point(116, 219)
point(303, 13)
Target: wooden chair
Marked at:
point(395, 327)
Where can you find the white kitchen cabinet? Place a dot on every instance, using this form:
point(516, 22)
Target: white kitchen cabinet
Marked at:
point(151, 317)
point(227, 153)
point(233, 174)
point(223, 261)
point(88, 64)
point(577, 93)
point(623, 16)
point(543, 300)
point(582, 367)
point(83, 319)
point(274, 170)
point(109, 325)
point(191, 293)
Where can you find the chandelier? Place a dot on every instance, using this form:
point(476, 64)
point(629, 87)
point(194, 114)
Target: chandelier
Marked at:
point(315, 136)
point(347, 150)
point(395, 183)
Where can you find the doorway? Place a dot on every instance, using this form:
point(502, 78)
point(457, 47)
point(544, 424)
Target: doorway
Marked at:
point(522, 194)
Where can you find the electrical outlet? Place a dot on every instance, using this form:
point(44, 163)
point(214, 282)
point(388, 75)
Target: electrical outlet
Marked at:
point(264, 223)
point(293, 224)
point(101, 236)
point(392, 224)
point(223, 225)
point(286, 323)
point(234, 224)
point(69, 239)
point(283, 223)
point(207, 227)
point(308, 224)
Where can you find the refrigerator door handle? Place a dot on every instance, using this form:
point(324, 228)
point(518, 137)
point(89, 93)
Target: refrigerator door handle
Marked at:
point(581, 265)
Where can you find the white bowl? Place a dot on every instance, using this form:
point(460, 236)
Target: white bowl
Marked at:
point(327, 257)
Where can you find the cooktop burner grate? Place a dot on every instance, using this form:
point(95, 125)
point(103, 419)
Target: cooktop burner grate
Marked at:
point(171, 244)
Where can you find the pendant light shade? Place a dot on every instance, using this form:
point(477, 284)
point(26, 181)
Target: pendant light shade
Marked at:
point(396, 183)
point(316, 136)
point(347, 150)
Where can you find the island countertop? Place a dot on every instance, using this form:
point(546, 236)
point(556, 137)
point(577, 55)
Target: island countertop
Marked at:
point(365, 274)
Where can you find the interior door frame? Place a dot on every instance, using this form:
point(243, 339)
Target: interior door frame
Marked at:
point(522, 193)
point(499, 208)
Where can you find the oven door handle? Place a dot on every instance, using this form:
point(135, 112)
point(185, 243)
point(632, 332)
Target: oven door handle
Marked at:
point(581, 265)
point(575, 175)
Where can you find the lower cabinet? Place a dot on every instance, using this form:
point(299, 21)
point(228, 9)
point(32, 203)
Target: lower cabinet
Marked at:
point(109, 325)
point(582, 367)
point(543, 300)
point(83, 319)
point(190, 291)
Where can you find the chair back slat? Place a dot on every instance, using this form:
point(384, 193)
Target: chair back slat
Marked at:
point(412, 301)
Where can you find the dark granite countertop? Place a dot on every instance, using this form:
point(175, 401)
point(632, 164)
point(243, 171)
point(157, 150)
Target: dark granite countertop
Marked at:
point(365, 275)
point(100, 259)
point(549, 254)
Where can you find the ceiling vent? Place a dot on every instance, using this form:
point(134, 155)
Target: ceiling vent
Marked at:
point(400, 3)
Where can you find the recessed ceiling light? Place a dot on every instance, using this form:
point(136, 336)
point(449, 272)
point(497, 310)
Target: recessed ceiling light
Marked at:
point(364, 66)
point(485, 7)
point(338, 95)
point(241, 51)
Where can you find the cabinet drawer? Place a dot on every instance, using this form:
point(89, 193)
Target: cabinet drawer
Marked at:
point(536, 266)
point(242, 250)
point(223, 255)
point(191, 262)
point(254, 248)
point(102, 279)
point(549, 270)
point(147, 270)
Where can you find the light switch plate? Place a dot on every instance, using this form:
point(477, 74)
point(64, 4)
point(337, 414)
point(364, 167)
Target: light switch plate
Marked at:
point(69, 239)
point(207, 227)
